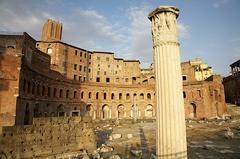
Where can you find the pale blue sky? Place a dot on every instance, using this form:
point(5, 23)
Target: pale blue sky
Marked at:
point(209, 29)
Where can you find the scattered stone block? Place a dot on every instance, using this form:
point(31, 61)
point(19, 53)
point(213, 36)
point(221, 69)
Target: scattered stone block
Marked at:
point(116, 136)
point(137, 153)
point(115, 157)
point(96, 155)
point(129, 136)
point(105, 148)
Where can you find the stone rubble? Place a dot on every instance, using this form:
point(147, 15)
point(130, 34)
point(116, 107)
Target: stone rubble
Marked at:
point(137, 153)
point(115, 157)
point(129, 136)
point(104, 148)
point(229, 134)
point(116, 136)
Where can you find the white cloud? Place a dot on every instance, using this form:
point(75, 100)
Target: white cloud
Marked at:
point(87, 28)
point(183, 30)
point(92, 31)
point(16, 17)
point(140, 34)
point(220, 3)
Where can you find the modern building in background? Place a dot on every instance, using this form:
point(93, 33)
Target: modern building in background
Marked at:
point(232, 84)
point(52, 78)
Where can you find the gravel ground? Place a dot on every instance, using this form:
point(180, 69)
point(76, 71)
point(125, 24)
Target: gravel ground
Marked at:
point(205, 139)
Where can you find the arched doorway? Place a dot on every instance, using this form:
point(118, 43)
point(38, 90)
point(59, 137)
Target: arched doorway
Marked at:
point(60, 110)
point(149, 111)
point(134, 111)
point(90, 111)
point(193, 110)
point(105, 112)
point(120, 111)
point(36, 110)
point(27, 115)
point(217, 110)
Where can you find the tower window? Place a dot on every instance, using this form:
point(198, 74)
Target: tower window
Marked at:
point(98, 79)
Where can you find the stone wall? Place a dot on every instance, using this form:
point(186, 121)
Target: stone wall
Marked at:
point(204, 99)
point(47, 137)
point(232, 84)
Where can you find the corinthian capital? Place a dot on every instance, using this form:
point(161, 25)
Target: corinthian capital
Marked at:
point(164, 24)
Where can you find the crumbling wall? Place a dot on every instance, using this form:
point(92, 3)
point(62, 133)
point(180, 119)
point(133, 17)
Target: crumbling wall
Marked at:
point(47, 137)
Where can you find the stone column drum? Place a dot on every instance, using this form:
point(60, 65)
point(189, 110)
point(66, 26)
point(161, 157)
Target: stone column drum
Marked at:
point(171, 129)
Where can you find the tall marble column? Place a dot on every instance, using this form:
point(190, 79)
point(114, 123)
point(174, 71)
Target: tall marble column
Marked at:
point(171, 129)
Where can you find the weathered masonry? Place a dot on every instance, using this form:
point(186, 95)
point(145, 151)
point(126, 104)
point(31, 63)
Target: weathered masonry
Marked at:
point(50, 78)
point(47, 137)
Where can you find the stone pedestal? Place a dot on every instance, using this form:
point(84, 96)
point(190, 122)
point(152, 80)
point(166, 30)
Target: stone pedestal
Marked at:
point(171, 129)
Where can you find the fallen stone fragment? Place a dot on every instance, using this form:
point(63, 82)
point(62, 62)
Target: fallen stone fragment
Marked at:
point(104, 149)
point(226, 151)
point(229, 134)
point(137, 153)
point(189, 126)
point(96, 155)
point(153, 156)
point(116, 136)
point(115, 157)
point(207, 147)
point(208, 142)
point(129, 136)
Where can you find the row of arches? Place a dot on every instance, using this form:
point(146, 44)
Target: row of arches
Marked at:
point(106, 112)
point(32, 88)
point(117, 96)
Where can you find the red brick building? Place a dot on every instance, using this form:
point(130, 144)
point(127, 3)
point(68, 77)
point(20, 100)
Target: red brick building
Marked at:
point(232, 84)
point(65, 80)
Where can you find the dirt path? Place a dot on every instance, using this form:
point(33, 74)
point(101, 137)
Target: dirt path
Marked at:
point(205, 139)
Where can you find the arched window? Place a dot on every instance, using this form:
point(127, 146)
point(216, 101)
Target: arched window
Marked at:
point(120, 96)
point(141, 96)
point(127, 96)
point(38, 89)
point(24, 84)
point(89, 95)
point(43, 90)
point(145, 81)
point(67, 93)
point(97, 95)
point(28, 87)
point(49, 92)
point(112, 96)
point(33, 88)
point(148, 96)
point(54, 92)
point(135, 96)
point(82, 95)
point(104, 95)
point(75, 94)
point(134, 80)
point(49, 50)
point(60, 93)
point(184, 94)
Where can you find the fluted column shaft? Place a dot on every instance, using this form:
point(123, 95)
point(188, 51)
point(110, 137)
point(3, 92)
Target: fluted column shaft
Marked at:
point(171, 130)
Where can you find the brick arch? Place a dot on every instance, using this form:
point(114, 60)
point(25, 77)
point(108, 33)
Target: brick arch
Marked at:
point(121, 111)
point(105, 112)
point(91, 110)
point(149, 112)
